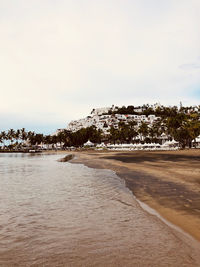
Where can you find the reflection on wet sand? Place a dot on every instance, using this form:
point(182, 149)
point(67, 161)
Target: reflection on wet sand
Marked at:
point(168, 181)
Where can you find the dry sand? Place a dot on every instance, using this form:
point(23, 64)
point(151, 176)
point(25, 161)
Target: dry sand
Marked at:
point(167, 181)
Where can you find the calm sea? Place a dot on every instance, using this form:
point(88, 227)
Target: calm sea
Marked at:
point(63, 214)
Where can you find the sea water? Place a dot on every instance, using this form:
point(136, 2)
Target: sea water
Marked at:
point(63, 214)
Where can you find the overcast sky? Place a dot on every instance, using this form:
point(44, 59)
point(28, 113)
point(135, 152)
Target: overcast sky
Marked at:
point(59, 59)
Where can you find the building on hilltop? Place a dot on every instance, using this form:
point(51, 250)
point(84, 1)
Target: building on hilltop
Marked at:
point(104, 121)
point(100, 111)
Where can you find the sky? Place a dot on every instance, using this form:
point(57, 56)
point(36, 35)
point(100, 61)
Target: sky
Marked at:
point(62, 58)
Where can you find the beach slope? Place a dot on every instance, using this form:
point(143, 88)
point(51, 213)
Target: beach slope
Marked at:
point(167, 181)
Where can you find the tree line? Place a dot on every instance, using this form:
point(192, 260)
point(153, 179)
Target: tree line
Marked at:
point(160, 111)
point(178, 125)
point(17, 139)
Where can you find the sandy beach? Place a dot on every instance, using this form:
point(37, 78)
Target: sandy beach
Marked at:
point(167, 181)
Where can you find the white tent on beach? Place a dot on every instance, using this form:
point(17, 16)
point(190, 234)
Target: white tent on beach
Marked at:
point(102, 145)
point(171, 145)
point(89, 144)
point(196, 141)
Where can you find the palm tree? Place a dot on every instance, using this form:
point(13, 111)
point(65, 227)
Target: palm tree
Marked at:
point(54, 140)
point(143, 130)
point(132, 130)
point(1, 139)
point(61, 137)
point(39, 138)
point(47, 140)
point(11, 135)
point(23, 134)
point(114, 134)
point(17, 136)
point(152, 132)
point(4, 137)
point(30, 137)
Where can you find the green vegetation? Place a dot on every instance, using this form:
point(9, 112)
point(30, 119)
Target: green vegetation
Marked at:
point(20, 139)
point(182, 124)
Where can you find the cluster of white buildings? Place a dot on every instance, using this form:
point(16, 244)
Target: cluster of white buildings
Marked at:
point(103, 121)
point(105, 118)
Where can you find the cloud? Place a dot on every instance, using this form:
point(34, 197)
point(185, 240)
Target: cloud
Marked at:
point(190, 66)
point(65, 57)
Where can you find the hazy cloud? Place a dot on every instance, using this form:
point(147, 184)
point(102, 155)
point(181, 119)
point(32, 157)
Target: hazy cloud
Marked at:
point(191, 66)
point(59, 59)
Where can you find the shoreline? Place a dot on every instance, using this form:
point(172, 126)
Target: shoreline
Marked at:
point(73, 211)
point(161, 180)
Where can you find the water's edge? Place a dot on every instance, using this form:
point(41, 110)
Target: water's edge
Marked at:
point(142, 204)
point(62, 214)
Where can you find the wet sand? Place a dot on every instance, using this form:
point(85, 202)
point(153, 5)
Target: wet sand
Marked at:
point(167, 181)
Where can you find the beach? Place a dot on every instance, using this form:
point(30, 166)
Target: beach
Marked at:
point(55, 213)
point(167, 181)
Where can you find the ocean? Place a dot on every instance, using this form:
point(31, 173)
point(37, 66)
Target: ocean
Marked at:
point(62, 214)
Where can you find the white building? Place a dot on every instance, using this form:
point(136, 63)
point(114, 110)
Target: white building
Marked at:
point(105, 121)
point(100, 111)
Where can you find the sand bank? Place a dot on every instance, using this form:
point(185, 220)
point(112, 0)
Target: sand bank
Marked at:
point(167, 181)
